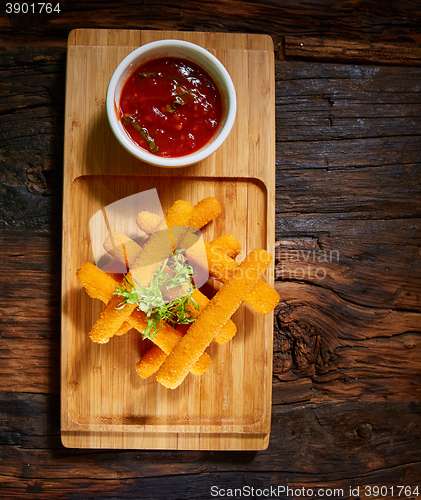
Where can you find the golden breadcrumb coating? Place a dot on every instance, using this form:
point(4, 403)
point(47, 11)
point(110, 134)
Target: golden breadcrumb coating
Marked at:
point(148, 222)
point(110, 320)
point(155, 357)
point(101, 286)
point(122, 248)
point(205, 211)
point(263, 300)
point(227, 332)
point(98, 285)
point(219, 310)
point(228, 243)
point(150, 362)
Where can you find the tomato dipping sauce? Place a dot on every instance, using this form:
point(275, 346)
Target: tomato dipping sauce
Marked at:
point(170, 107)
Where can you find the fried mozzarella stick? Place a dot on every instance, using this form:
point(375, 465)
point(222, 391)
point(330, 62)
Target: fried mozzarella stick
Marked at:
point(148, 222)
point(219, 310)
point(155, 357)
point(220, 262)
point(220, 254)
point(161, 243)
point(157, 248)
point(263, 298)
point(122, 248)
point(204, 212)
point(228, 243)
point(99, 285)
point(111, 319)
point(166, 338)
point(229, 330)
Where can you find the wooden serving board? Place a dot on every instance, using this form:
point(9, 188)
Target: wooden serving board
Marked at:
point(104, 403)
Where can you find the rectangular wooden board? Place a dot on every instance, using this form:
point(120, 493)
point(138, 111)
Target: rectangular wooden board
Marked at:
point(104, 403)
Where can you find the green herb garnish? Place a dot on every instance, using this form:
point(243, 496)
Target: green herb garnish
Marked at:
point(178, 100)
point(183, 91)
point(173, 279)
point(148, 75)
point(143, 132)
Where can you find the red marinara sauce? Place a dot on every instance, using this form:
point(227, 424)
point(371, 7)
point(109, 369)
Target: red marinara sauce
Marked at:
point(170, 107)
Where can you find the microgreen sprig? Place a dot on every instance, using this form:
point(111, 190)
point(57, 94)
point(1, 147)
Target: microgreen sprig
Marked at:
point(128, 120)
point(173, 278)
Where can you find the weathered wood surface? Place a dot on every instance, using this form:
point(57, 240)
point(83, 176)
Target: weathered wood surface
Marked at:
point(347, 360)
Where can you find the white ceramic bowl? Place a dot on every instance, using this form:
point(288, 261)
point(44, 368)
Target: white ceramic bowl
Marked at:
point(184, 50)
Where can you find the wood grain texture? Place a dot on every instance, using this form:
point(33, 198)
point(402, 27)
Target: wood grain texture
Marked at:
point(339, 445)
point(395, 21)
point(351, 51)
point(362, 260)
point(104, 403)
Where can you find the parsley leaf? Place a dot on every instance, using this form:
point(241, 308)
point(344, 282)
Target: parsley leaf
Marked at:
point(166, 299)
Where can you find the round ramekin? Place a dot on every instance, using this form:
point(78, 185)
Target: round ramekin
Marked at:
point(184, 50)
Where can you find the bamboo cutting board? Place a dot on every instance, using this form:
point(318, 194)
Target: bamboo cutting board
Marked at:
point(104, 403)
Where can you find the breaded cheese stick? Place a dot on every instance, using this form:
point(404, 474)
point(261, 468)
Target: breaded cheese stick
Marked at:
point(161, 243)
point(147, 364)
point(154, 358)
point(122, 248)
point(227, 332)
point(99, 285)
point(220, 264)
point(228, 243)
point(110, 320)
point(166, 338)
point(148, 222)
point(204, 211)
point(263, 299)
point(124, 328)
point(219, 310)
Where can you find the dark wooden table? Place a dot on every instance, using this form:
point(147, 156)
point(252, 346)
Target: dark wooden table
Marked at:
point(347, 352)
